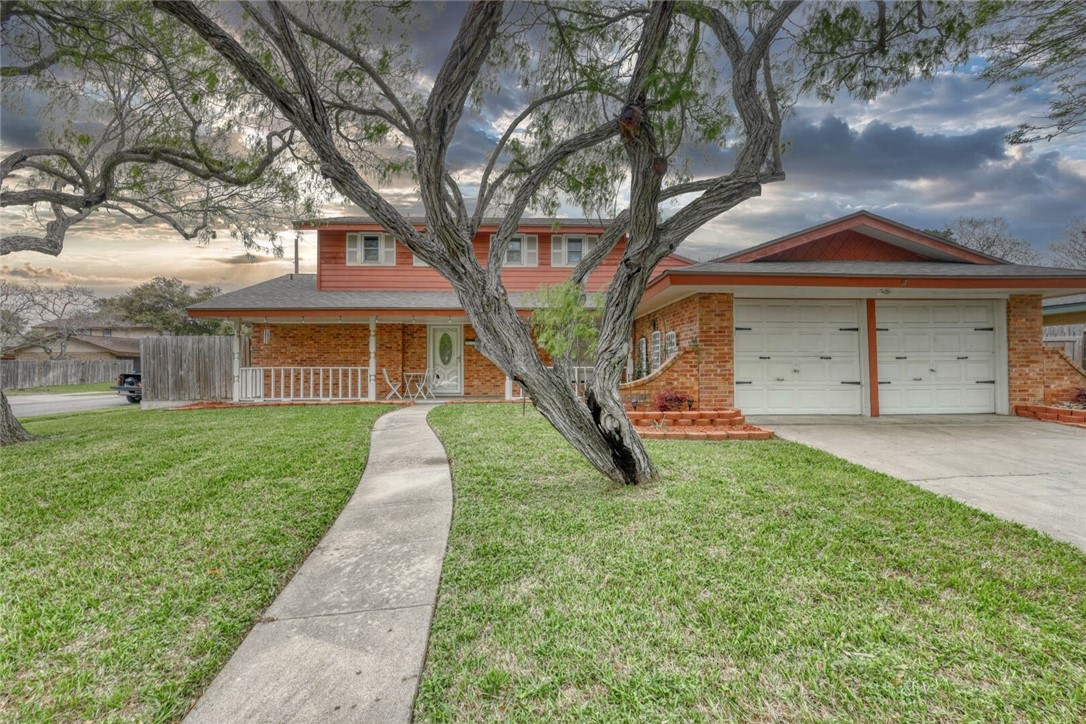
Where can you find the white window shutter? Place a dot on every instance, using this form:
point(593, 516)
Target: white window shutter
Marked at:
point(354, 250)
point(558, 246)
point(589, 244)
point(531, 251)
point(388, 250)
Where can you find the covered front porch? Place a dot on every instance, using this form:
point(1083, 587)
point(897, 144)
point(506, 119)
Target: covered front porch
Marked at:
point(369, 358)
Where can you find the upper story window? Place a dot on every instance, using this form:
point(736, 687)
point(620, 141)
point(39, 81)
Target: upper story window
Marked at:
point(371, 250)
point(107, 332)
point(655, 350)
point(522, 251)
point(569, 249)
point(671, 344)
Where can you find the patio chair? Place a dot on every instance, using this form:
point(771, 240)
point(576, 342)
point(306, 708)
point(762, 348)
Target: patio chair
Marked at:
point(393, 387)
point(426, 387)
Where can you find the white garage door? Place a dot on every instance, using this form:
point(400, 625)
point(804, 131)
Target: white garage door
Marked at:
point(936, 357)
point(797, 357)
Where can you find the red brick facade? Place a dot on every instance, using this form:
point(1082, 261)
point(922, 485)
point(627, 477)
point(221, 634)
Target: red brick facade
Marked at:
point(1063, 378)
point(704, 325)
point(400, 348)
point(1025, 350)
point(680, 373)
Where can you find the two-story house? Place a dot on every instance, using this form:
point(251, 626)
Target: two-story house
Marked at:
point(857, 316)
point(373, 305)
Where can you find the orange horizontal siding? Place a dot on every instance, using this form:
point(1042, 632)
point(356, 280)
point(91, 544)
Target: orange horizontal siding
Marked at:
point(333, 274)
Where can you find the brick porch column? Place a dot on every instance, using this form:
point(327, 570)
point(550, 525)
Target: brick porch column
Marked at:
point(716, 337)
point(1025, 350)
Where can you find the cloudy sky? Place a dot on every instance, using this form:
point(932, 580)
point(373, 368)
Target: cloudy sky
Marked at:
point(930, 153)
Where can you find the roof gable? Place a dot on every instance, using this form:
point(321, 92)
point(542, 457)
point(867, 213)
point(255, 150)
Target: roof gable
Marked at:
point(862, 236)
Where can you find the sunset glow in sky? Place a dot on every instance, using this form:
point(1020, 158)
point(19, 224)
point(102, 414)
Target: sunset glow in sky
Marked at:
point(923, 156)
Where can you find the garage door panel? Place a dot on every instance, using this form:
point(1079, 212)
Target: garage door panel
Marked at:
point(946, 342)
point(779, 312)
point(915, 342)
point(750, 370)
point(843, 343)
point(933, 357)
point(979, 342)
point(751, 342)
point(809, 357)
point(840, 313)
point(780, 341)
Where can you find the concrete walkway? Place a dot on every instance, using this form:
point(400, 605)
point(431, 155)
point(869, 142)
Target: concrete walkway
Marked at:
point(1023, 470)
point(346, 639)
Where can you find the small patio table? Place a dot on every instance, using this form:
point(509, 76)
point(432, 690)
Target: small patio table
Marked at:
point(417, 385)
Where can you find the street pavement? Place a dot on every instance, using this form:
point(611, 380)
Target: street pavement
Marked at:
point(31, 405)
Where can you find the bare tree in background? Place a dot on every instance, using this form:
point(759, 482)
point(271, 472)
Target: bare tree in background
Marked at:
point(1070, 251)
point(992, 237)
point(67, 310)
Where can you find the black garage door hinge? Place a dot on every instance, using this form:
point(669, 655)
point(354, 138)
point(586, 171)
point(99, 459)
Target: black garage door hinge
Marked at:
point(882, 329)
point(824, 357)
point(885, 383)
point(985, 382)
point(848, 329)
point(742, 329)
point(763, 358)
point(745, 382)
point(851, 383)
point(983, 329)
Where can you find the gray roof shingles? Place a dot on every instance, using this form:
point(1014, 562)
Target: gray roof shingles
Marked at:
point(879, 269)
point(299, 291)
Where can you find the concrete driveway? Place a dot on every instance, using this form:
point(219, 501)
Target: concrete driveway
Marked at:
point(1023, 470)
point(30, 405)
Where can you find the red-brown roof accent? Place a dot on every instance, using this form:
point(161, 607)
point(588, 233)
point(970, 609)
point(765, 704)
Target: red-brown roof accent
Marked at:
point(847, 245)
point(820, 243)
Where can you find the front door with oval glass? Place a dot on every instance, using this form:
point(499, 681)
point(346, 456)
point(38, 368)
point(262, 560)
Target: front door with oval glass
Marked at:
point(446, 357)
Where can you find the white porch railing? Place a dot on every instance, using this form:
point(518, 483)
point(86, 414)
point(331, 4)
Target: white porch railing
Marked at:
point(302, 383)
point(579, 379)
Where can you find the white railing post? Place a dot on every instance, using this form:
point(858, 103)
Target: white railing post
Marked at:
point(371, 376)
point(235, 391)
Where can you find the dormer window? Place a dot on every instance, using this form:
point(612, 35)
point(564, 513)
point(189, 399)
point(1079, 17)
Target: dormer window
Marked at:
point(371, 250)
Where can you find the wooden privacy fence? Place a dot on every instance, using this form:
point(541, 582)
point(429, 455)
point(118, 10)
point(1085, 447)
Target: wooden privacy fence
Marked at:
point(1074, 346)
point(189, 369)
point(20, 374)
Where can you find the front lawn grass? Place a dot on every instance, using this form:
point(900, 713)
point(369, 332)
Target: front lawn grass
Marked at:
point(137, 548)
point(758, 581)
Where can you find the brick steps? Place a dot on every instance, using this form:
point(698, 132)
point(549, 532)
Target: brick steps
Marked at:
point(696, 425)
point(1047, 413)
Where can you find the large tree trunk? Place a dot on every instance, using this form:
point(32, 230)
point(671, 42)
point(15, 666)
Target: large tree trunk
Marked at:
point(598, 426)
point(10, 430)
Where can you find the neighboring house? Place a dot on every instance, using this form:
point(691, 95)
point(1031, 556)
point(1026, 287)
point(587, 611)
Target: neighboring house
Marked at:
point(78, 347)
point(858, 316)
point(1065, 311)
point(89, 337)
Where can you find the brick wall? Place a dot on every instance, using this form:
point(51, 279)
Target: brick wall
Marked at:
point(679, 373)
point(1063, 378)
point(716, 336)
point(708, 373)
point(1025, 350)
point(400, 348)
